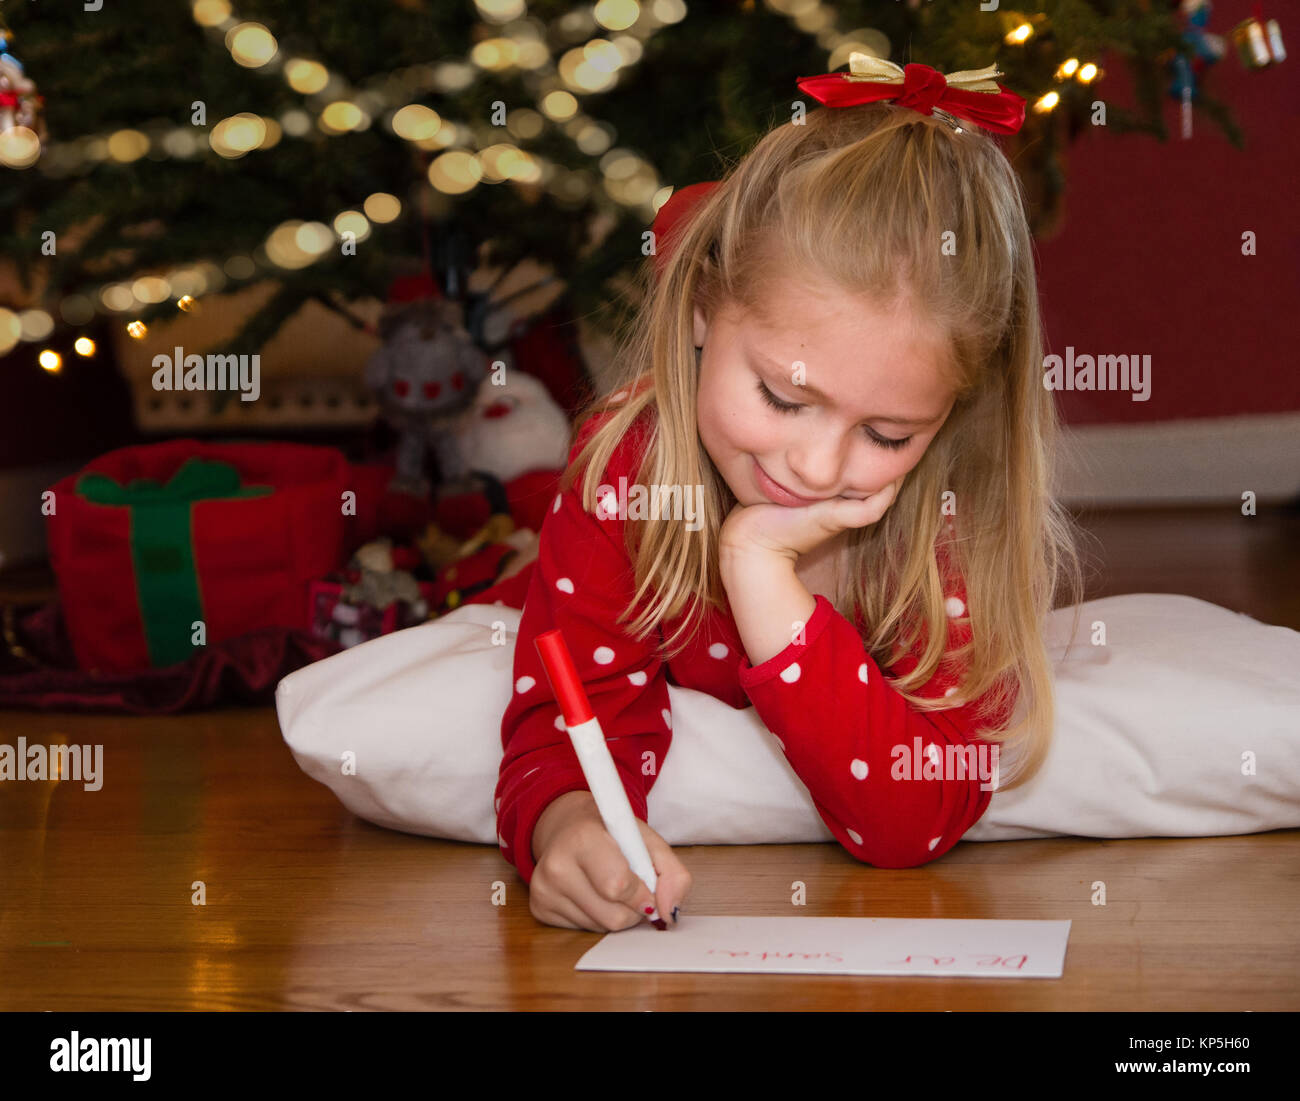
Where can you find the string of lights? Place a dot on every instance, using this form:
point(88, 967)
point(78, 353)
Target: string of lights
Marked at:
point(627, 178)
point(464, 155)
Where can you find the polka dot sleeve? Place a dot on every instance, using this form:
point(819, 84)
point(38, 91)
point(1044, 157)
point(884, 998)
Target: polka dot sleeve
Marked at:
point(582, 580)
point(898, 787)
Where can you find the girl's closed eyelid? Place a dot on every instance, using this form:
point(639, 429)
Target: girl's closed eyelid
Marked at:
point(785, 407)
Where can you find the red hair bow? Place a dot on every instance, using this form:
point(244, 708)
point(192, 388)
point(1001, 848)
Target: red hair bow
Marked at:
point(971, 94)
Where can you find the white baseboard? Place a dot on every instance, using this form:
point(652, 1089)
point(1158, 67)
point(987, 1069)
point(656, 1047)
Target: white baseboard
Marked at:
point(1211, 461)
point(1194, 462)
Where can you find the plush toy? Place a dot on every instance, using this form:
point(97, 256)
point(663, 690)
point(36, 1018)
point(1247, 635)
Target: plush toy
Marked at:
point(426, 373)
point(440, 548)
point(507, 446)
point(377, 593)
point(511, 427)
point(382, 576)
point(498, 550)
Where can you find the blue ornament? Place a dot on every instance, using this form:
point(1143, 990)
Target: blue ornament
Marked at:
point(1205, 48)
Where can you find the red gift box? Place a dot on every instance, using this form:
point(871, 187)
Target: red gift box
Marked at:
point(246, 560)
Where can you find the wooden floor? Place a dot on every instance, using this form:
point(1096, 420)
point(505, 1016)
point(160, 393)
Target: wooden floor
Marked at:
point(308, 907)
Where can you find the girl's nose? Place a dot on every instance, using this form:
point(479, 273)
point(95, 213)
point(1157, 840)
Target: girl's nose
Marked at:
point(817, 465)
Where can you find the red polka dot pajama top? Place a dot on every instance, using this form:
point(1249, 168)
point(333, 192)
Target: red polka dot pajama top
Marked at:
point(831, 708)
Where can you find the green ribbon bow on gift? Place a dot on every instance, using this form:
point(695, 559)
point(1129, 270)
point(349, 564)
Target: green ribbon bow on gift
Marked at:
point(162, 545)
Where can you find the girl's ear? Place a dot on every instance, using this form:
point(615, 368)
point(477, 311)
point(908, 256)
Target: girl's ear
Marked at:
point(701, 328)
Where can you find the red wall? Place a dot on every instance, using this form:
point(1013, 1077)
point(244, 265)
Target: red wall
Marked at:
point(1148, 257)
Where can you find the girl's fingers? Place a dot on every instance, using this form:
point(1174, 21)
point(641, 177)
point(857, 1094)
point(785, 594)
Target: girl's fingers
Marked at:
point(593, 887)
point(569, 916)
point(568, 890)
point(618, 909)
point(556, 908)
point(673, 880)
point(857, 514)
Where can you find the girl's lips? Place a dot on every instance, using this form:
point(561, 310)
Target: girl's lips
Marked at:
point(776, 492)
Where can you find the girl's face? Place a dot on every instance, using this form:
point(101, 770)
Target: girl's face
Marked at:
point(868, 376)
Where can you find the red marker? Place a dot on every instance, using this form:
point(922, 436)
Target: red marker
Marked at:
point(597, 763)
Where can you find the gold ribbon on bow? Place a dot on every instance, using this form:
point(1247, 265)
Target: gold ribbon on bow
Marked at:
point(882, 71)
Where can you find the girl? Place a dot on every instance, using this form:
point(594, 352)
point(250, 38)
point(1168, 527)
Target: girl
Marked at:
point(821, 490)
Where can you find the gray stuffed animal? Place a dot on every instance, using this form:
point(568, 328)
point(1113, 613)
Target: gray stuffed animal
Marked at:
point(427, 372)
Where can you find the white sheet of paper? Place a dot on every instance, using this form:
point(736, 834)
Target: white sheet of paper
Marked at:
point(974, 948)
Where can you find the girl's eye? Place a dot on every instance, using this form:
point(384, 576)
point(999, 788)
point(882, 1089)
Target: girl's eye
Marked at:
point(785, 407)
point(774, 401)
point(887, 441)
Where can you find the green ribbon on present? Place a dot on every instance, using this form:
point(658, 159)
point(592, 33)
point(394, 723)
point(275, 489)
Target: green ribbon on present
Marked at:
point(162, 545)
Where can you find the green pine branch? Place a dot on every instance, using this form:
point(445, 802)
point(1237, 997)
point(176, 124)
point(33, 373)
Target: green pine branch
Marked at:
point(702, 94)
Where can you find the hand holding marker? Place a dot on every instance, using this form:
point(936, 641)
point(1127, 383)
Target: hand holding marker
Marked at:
point(597, 764)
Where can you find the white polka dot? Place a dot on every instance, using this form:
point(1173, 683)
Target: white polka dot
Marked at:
point(791, 672)
point(668, 719)
point(564, 585)
point(862, 672)
point(719, 650)
point(854, 836)
point(556, 507)
point(638, 678)
point(951, 691)
point(619, 396)
point(523, 684)
point(954, 607)
point(498, 603)
point(498, 804)
point(780, 743)
point(559, 723)
point(932, 751)
point(602, 655)
point(934, 841)
point(504, 843)
point(859, 768)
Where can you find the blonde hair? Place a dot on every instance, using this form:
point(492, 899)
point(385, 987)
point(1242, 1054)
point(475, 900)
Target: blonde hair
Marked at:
point(861, 197)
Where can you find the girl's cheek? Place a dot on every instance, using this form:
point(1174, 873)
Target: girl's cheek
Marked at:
point(881, 472)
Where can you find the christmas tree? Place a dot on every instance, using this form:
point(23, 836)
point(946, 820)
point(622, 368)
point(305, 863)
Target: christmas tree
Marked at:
point(191, 149)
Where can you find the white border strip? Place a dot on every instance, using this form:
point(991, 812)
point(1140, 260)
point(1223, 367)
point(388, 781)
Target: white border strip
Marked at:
point(1203, 461)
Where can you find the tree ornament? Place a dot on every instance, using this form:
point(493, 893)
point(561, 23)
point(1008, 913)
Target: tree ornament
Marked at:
point(1205, 48)
point(1259, 43)
point(20, 104)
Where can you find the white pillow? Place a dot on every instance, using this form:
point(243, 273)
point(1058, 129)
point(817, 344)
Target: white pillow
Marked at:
point(1151, 734)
